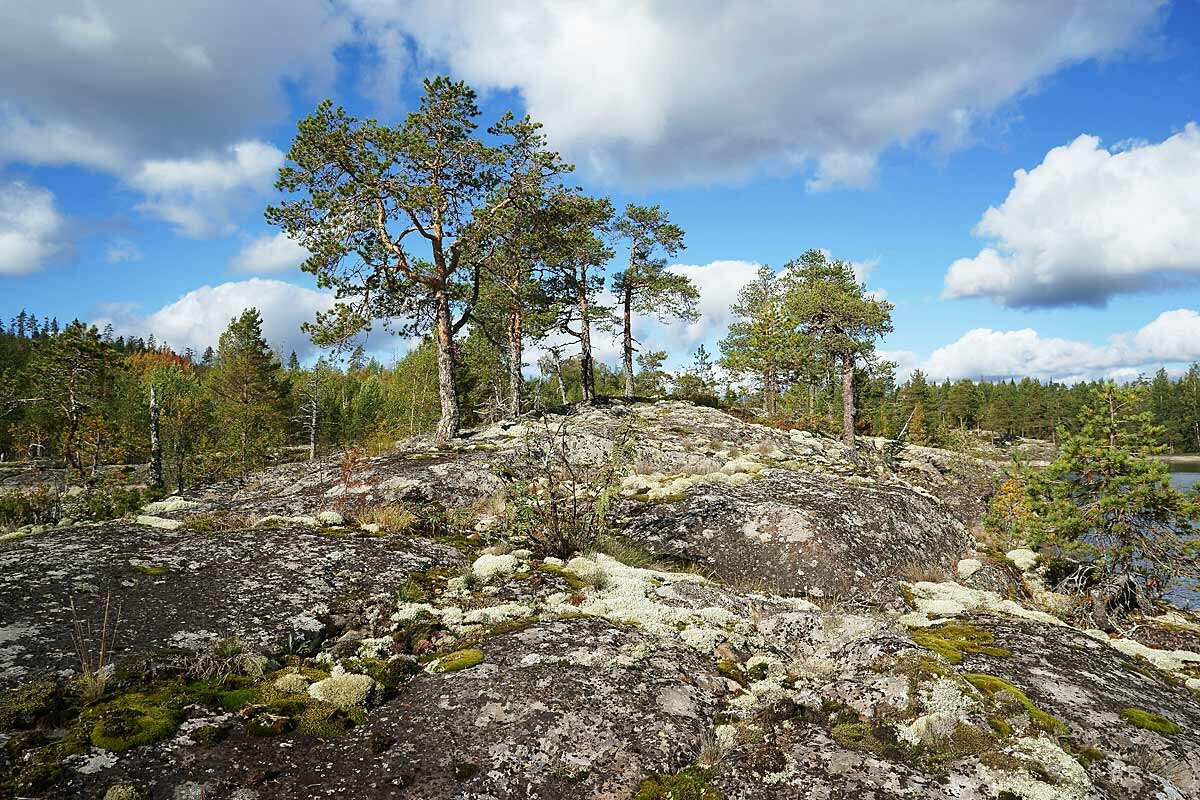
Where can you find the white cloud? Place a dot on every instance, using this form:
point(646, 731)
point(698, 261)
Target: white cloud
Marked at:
point(269, 253)
point(31, 229)
point(196, 194)
point(1172, 337)
point(120, 250)
point(87, 32)
point(163, 80)
point(1089, 223)
point(198, 318)
point(719, 283)
point(671, 93)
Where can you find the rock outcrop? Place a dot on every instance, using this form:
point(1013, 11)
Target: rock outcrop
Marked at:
point(774, 617)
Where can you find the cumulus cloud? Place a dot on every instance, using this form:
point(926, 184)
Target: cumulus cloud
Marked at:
point(1089, 223)
point(673, 93)
point(198, 318)
point(196, 194)
point(1172, 337)
point(269, 253)
point(718, 283)
point(31, 228)
point(155, 80)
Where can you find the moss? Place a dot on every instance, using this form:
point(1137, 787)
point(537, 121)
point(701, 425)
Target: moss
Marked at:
point(572, 580)
point(857, 736)
point(268, 724)
point(207, 735)
point(134, 720)
point(990, 686)
point(22, 706)
point(965, 741)
point(689, 784)
point(954, 639)
point(152, 570)
point(1151, 722)
point(126, 791)
point(458, 660)
point(1088, 755)
point(733, 671)
point(327, 721)
point(389, 673)
point(906, 594)
point(1000, 726)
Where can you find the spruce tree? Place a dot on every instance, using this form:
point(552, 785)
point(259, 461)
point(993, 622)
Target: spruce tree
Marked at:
point(1104, 498)
point(249, 391)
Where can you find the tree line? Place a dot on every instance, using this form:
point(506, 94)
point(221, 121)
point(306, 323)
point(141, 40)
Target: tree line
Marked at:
point(476, 245)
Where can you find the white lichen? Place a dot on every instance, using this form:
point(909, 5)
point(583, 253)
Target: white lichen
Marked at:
point(169, 505)
point(344, 689)
point(938, 601)
point(1068, 779)
point(489, 566)
point(292, 683)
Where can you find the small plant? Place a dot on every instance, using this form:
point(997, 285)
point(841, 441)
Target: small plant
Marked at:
point(559, 502)
point(391, 518)
point(350, 481)
point(225, 657)
point(94, 648)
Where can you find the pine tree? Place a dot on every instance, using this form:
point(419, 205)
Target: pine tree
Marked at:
point(1104, 498)
point(431, 183)
point(763, 340)
point(646, 286)
point(250, 393)
point(835, 311)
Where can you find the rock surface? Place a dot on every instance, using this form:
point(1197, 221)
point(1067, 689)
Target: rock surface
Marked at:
point(440, 652)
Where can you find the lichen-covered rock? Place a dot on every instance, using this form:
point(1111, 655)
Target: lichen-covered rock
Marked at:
point(795, 532)
point(573, 708)
point(261, 585)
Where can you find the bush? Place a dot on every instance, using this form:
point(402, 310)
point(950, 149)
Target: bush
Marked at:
point(555, 502)
point(19, 508)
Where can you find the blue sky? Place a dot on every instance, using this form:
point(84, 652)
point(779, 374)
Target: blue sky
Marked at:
point(138, 147)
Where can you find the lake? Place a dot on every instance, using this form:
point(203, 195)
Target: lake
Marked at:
point(1184, 475)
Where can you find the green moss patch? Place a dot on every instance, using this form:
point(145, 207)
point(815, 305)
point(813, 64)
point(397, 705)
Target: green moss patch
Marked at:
point(689, 784)
point(991, 686)
point(458, 660)
point(1151, 722)
point(22, 706)
point(954, 639)
point(134, 720)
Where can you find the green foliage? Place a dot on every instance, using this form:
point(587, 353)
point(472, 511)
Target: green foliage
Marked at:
point(689, 784)
point(953, 639)
point(19, 507)
point(1151, 722)
point(1103, 498)
point(458, 660)
point(250, 394)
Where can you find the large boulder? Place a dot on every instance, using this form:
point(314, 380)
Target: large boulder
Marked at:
point(794, 532)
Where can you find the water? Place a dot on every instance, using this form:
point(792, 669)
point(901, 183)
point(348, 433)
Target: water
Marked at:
point(1184, 477)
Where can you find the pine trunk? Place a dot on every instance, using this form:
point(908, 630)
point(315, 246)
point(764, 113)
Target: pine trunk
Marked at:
point(586, 376)
point(515, 334)
point(848, 400)
point(447, 427)
point(156, 471)
point(314, 403)
point(628, 343)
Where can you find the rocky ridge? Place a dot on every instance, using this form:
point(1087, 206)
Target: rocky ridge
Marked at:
point(775, 617)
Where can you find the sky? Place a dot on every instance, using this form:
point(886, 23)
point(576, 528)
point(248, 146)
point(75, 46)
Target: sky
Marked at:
point(1020, 178)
